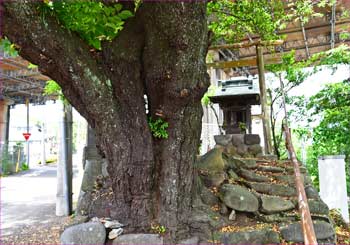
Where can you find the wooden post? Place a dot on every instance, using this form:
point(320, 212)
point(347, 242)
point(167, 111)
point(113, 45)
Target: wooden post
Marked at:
point(306, 221)
point(263, 100)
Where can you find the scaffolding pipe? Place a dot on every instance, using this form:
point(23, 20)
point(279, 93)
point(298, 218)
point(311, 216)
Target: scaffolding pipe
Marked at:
point(305, 38)
point(333, 25)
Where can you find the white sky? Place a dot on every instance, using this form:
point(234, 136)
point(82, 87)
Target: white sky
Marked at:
point(317, 81)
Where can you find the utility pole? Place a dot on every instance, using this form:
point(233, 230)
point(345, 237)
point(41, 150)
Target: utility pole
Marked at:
point(28, 153)
point(43, 153)
point(64, 166)
point(263, 101)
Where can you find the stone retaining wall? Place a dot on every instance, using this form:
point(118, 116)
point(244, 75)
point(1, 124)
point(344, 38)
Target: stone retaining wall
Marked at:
point(240, 145)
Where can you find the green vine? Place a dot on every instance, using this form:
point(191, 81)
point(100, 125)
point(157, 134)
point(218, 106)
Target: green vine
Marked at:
point(158, 127)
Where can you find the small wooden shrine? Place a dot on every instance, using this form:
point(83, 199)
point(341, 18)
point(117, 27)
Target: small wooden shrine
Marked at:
point(235, 97)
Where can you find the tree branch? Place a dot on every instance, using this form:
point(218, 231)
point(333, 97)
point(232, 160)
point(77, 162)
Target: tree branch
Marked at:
point(59, 53)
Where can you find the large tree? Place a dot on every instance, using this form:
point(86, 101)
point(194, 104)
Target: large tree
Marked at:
point(106, 63)
point(161, 54)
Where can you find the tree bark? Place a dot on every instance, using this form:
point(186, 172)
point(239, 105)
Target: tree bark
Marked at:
point(161, 54)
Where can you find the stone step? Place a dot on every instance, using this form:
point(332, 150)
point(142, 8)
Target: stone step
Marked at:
point(272, 189)
point(293, 232)
point(252, 176)
point(271, 169)
point(273, 204)
point(263, 236)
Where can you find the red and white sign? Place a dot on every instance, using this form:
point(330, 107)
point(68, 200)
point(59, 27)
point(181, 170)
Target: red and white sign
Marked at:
point(26, 136)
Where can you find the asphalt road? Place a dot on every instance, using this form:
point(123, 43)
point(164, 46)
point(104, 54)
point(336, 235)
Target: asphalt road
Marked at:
point(29, 198)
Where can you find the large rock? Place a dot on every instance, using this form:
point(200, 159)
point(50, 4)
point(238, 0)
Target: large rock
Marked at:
point(311, 192)
point(238, 198)
point(251, 139)
point(251, 176)
point(204, 215)
point(190, 241)
point(213, 179)
point(318, 207)
point(293, 232)
point(87, 233)
point(237, 139)
point(231, 150)
point(138, 239)
point(242, 150)
point(272, 204)
point(232, 175)
point(275, 218)
point(237, 163)
point(255, 149)
point(208, 197)
point(271, 169)
point(223, 140)
point(290, 179)
point(249, 163)
point(273, 189)
point(301, 168)
point(212, 161)
point(249, 237)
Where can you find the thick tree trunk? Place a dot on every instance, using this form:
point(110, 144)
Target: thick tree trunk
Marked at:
point(160, 53)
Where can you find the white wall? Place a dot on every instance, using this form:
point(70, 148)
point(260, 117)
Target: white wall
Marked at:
point(333, 183)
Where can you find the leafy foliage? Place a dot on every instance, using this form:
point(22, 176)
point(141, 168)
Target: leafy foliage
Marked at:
point(52, 88)
point(331, 137)
point(210, 92)
point(159, 229)
point(332, 57)
point(32, 66)
point(158, 127)
point(290, 73)
point(24, 167)
point(92, 20)
point(8, 47)
point(232, 21)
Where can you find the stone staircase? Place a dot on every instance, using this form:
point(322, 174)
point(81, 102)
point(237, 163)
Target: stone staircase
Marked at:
point(252, 200)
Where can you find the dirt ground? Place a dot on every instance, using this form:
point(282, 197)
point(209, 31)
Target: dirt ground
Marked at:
point(37, 233)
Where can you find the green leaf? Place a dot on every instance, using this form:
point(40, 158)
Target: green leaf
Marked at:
point(125, 14)
point(118, 7)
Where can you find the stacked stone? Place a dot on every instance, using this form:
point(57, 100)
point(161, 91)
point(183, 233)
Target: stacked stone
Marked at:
point(259, 190)
point(240, 145)
point(240, 197)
